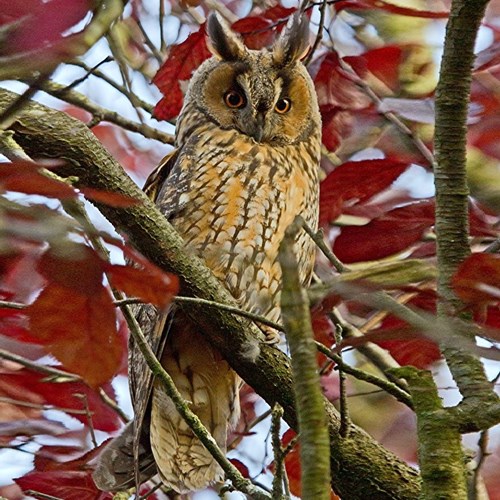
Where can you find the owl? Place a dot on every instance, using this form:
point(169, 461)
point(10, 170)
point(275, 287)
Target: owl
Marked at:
point(246, 164)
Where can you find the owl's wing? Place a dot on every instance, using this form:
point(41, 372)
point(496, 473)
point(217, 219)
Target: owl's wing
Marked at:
point(159, 175)
point(155, 326)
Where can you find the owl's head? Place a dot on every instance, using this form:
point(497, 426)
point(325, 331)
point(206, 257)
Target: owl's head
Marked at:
point(267, 94)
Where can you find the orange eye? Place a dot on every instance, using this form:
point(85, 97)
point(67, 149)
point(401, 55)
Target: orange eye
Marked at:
point(234, 99)
point(283, 106)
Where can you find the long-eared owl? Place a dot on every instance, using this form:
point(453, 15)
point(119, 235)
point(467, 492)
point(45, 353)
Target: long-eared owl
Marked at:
point(246, 164)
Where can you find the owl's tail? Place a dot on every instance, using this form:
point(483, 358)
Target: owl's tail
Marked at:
point(211, 388)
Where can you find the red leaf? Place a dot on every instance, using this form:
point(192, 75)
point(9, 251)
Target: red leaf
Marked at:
point(260, 31)
point(38, 24)
point(416, 350)
point(26, 177)
point(292, 466)
point(335, 87)
point(279, 13)
point(240, 466)
point(383, 63)
point(338, 97)
point(24, 385)
point(386, 235)
point(70, 485)
point(390, 7)
point(488, 58)
point(256, 31)
point(182, 60)
point(355, 181)
point(477, 279)
point(150, 284)
point(79, 330)
point(73, 266)
point(109, 198)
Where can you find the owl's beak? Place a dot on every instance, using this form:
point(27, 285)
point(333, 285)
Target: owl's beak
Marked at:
point(256, 128)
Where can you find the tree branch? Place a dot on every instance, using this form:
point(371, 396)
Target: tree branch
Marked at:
point(360, 467)
point(314, 445)
point(452, 229)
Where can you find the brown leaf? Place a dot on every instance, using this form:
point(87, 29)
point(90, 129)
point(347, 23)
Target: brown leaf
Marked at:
point(149, 284)
point(79, 330)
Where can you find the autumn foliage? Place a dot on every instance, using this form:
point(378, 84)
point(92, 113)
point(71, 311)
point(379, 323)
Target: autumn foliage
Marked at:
point(62, 336)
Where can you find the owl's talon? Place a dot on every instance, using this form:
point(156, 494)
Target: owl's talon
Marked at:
point(273, 336)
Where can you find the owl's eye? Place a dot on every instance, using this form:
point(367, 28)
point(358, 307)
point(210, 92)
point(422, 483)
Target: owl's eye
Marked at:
point(234, 99)
point(283, 106)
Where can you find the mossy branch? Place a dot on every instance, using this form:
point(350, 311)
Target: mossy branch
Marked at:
point(440, 454)
point(452, 231)
point(313, 431)
point(360, 467)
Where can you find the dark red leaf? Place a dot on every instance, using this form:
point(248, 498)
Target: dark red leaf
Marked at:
point(74, 266)
point(240, 466)
point(149, 284)
point(417, 352)
point(480, 223)
point(67, 485)
point(278, 13)
point(55, 457)
point(24, 385)
point(109, 198)
point(355, 181)
point(383, 63)
point(432, 13)
point(335, 87)
point(405, 345)
point(260, 31)
point(182, 60)
point(386, 235)
point(292, 466)
point(256, 31)
point(26, 177)
point(477, 279)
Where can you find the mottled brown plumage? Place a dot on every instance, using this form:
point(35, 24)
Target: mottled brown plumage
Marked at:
point(248, 147)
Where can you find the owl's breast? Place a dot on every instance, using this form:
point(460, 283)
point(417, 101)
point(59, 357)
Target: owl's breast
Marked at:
point(239, 202)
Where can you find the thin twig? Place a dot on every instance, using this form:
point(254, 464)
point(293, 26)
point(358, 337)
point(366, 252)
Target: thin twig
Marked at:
point(42, 496)
point(39, 406)
point(133, 98)
point(318, 238)
point(387, 386)
point(161, 18)
point(47, 370)
point(482, 454)
point(344, 409)
point(152, 47)
point(90, 422)
point(319, 35)
point(76, 98)
point(390, 116)
point(255, 317)
point(113, 404)
point(8, 117)
point(279, 469)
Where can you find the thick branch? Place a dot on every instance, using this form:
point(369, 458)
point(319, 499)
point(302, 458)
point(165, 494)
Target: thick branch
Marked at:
point(452, 231)
point(439, 443)
point(360, 467)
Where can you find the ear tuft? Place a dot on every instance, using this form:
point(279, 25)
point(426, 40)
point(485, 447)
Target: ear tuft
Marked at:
point(293, 43)
point(223, 42)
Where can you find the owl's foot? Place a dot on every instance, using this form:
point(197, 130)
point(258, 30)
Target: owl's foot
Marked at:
point(273, 336)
